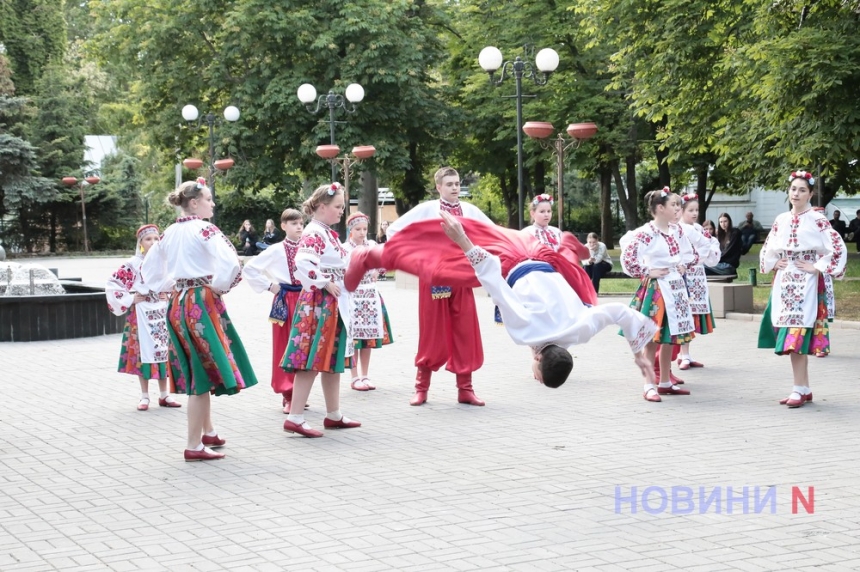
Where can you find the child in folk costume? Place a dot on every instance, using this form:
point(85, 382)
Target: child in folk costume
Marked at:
point(274, 270)
point(145, 341)
point(320, 340)
point(655, 254)
point(206, 354)
point(541, 213)
point(706, 251)
point(802, 248)
point(370, 326)
point(448, 330)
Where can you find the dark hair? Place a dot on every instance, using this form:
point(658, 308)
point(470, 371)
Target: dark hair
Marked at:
point(555, 365)
point(184, 193)
point(291, 214)
point(724, 235)
point(655, 198)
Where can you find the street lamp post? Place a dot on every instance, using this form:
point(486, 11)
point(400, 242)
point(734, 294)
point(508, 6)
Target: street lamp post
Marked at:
point(191, 114)
point(354, 94)
point(546, 62)
point(579, 132)
point(330, 153)
point(71, 182)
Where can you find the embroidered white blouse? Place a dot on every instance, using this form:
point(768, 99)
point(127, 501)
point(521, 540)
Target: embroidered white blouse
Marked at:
point(706, 252)
point(649, 248)
point(367, 318)
point(808, 237)
point(542, 308)
point(192, 252)
point(272, 266)
point(548, 235)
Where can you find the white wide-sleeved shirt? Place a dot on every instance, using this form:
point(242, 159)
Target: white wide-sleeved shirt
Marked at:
point(808, 237)
point(706, 252)
point(541, 308)
point(192, 250)
point(548, 235)
point(272, 266)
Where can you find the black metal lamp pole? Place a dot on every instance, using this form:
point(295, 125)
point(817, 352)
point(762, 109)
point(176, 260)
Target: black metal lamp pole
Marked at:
point(546, 62)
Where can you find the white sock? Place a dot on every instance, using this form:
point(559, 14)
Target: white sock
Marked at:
point(165, 394)
point(685, 357)
point(198, 447)
point(801, 390)
point(144, 396)
point(212, 433)
point(666, 384)
point(334, 415)
point(297, 419)
point(649, 386)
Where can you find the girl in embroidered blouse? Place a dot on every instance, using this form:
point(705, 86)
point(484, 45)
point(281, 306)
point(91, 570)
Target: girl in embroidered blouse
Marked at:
point(706, 251)
point(801, 247)
point(656, 253)
point(145, 342)
point(274, 270)
point(206, 355)
point(541, 212)
point(370, 326)
point(320, 338)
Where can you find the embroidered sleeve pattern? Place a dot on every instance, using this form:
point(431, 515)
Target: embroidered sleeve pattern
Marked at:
point(477, 255)
point(313, 244)
point(631, 260)
point(126, 276)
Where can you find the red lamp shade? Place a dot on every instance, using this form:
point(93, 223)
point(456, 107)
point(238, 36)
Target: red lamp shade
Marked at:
point(69, 181)
point(363, 151)
point(328, 151)
point(582, 131)
point(192, 164)
point(538, 129)
point(92, 180)
point(224, 164)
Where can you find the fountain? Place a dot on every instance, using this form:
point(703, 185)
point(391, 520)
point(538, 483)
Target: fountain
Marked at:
point(35, 305)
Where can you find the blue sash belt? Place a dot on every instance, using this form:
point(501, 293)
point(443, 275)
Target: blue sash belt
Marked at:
point(521, 271)
point(280, 313)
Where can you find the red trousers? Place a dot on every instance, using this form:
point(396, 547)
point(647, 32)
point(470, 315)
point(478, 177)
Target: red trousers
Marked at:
point(448, 331)
point(281, 380)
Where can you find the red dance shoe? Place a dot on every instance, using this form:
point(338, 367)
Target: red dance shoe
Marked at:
point(694, 363)
point(652, 395)
point(684, 364)
point(675, 379)
point(359, 384)
point(360, 261)
point(469, 398)
point(202, 455)
point(673, 390)
point(143, 405)
point(341, 423)
point(420, 398)
point(215, 441)
point(795, 403)
point(291, 427)
point(162, 402)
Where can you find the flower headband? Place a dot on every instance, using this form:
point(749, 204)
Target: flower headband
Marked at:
point(356, 219)
point(802, 175)
point(333, 189)
point(689, 197)
point(542, 198)
point(665, 192)
point(201, 182)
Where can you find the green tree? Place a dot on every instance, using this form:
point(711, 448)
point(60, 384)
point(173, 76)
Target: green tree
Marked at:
point(33, 34)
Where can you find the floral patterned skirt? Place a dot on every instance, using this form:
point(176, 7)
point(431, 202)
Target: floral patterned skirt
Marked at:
point(318, 338)
point(648, 300)
point(129, 355)
point(206, 354)
point(803, 341)
point(386, 339)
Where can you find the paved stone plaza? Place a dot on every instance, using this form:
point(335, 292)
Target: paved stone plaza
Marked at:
point(526, 483)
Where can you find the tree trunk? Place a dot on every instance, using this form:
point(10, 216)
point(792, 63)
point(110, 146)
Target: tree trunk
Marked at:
point(540, 178)
point(663, 166)
point(413, 183)
point(702, 189)
point(52, 237)
point(626, 198)
point(509, 197)
point(606, 205)
point(368, 201)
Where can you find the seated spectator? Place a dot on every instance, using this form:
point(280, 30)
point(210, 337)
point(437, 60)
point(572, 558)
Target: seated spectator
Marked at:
point(709, 226)
point(598, 263)
point(270, 236)
point(730, 249)
point(838, 224)
point(750, 230)
point(247, 239)
point(854, 231)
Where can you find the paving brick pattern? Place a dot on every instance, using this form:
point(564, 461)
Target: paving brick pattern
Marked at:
point(526, 483)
